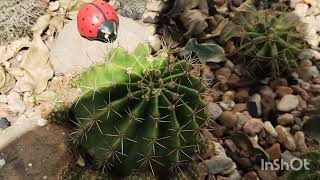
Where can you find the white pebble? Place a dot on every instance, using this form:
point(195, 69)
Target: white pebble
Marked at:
point(3, 99)
point(30, 164)
point(42, 122)
point(2, 163)
point(19, 57)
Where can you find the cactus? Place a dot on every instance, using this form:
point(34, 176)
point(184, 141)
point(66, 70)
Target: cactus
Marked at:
point(269, 41)
point(139, 111)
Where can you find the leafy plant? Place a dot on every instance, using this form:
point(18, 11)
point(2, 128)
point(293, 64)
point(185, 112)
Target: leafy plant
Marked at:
point(269, 42)
point(207, 51)
point(138, 111)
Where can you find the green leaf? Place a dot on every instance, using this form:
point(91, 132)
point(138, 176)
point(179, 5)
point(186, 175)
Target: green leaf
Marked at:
point(229, 31)
point(207, 52)
point(194, 21)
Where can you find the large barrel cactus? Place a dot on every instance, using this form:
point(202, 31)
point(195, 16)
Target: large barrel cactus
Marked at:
point(139, 111)
point(269, 42)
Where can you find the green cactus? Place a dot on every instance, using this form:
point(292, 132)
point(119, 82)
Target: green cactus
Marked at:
point(269, 42)
point(139, 111)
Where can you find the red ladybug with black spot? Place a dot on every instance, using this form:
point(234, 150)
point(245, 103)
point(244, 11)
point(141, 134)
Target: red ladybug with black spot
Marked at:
point(98, 21)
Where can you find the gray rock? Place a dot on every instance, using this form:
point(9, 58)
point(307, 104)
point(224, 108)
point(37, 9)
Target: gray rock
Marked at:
point(150, 17)
point(71, 52)
point(309, 54)
point(219, 165)
point(214, 110)
point(4, 123)
point(287, 156)
point(288, 103)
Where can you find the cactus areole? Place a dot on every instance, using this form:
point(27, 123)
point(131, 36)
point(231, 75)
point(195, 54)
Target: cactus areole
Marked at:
point(140, 112)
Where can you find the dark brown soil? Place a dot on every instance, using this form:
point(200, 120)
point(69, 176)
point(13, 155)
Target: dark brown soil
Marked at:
point(39, 154)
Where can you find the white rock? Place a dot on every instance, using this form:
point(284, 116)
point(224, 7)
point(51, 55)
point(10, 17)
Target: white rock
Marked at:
point(2, 163)
point(17, 105)
point(309, 53)
point(14, 95)
point(3, 99)
point(30, 164)
point(23, 87)
point(270, 129)
point(42, 122)
point(19, 57)
point(293, 3)
point(312, 38)
point(301, 9)
point(155, 42)
point(156, 6)
point(288, 103)
point(70, 52)
point(318, 22)
point(54, 6)
point(310, 22)
point(151, 29)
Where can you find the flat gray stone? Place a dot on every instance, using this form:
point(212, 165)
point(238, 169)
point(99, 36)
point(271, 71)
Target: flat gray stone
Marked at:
point(70, 52)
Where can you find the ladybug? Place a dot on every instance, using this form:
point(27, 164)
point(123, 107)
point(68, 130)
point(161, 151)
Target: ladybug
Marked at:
point(98, 21)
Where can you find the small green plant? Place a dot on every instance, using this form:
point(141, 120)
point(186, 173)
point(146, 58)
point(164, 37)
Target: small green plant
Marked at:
point(140, 112)
point(269, 42)
point(313, 173)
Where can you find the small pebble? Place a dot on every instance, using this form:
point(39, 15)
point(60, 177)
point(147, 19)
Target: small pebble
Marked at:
point(2, 163)
point(270, 129)
point(19, 57)
point(286, 119)
point(288, 103)
point(285, 138)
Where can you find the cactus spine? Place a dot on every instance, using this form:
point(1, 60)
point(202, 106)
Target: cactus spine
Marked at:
point(139, 111)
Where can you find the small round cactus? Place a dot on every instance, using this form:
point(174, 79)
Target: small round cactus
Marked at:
point(139, 111)
point(269, 42)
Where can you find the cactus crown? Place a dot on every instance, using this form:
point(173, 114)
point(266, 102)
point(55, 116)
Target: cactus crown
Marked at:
point(269, 41)
point(140, 111)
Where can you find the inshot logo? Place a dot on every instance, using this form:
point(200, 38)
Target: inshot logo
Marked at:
point(295, 164)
